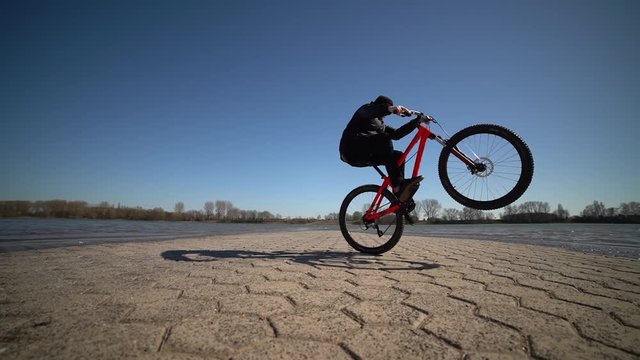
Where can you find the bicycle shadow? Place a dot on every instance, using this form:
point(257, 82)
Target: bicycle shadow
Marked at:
point(333, 259)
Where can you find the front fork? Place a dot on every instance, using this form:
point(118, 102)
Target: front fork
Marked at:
point(473, 166)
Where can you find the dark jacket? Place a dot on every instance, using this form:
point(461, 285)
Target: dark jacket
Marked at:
point(367, 133)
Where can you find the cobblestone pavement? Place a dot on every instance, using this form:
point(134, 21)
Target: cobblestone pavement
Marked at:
point(308, 295)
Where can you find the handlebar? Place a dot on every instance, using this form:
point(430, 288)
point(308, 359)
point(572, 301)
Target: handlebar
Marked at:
point(423, 118)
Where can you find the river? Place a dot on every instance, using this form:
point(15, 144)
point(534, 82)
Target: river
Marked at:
point(25, 234)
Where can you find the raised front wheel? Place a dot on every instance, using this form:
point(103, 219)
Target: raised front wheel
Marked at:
point(501, 172)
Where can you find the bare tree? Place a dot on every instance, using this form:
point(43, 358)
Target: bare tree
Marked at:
point(221, 209)
point(451, 214)
point(631, 208)
point(533, 207)
point(596, 209)
point(179, 207)
point(332, 216)
point(509, 210)
point(208, 209)
point(429, 207)
point(233, 213)
point(561, 212)
point(471, 214)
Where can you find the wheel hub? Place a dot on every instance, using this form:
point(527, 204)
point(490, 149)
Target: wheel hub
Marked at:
point(483, 167)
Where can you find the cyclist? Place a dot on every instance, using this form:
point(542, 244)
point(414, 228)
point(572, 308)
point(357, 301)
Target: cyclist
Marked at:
point(366, 141)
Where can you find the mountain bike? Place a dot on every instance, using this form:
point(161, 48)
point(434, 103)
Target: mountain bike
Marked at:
point(483, 167)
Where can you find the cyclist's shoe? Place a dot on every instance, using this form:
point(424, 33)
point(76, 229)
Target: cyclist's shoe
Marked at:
point(408, 188)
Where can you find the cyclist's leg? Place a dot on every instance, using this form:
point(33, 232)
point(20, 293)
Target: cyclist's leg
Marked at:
point(396, 173)
point(403, 189)
point(382, 153)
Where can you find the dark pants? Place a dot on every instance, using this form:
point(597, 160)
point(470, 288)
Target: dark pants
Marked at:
point(390, 161)
point(377, 150)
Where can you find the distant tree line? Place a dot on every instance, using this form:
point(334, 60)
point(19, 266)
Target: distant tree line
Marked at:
point(431, 211)
point(535, 211)
point(221, 211)
point(224, 211)
point(598, 212)
point(78, 210)
point(428, 210)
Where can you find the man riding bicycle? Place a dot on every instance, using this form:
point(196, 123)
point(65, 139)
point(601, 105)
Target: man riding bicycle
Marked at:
point(366, 141)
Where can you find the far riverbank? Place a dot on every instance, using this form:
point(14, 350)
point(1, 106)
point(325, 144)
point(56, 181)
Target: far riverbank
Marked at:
point(28, 233)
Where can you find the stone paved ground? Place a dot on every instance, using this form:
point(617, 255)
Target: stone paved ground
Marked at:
point(308, 295)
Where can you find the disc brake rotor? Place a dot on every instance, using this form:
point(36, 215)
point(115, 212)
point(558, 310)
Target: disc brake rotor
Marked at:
point(485, 167)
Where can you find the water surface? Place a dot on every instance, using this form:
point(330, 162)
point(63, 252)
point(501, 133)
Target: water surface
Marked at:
point(25, 234)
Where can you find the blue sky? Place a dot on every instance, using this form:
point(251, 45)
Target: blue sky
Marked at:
point(147, 103)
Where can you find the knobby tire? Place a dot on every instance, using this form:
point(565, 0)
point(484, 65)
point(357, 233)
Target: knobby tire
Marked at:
point(353, 229)
point(518, 170)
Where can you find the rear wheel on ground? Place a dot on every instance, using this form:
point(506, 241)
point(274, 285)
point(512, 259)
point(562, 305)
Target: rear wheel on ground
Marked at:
point(374, 237)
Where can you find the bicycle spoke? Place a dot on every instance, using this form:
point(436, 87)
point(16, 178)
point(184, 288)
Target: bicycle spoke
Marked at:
point(502, 168)
point(366, 233)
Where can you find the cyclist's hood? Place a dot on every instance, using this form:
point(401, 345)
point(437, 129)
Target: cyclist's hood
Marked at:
point(383, 100)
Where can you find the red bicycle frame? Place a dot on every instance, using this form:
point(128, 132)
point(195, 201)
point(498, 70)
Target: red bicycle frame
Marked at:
point(424, 133)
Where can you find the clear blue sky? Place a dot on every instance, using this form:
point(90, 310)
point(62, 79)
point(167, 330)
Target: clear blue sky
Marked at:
point(147, 103)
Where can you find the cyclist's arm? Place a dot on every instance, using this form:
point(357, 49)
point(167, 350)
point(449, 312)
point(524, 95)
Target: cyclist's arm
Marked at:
point(402, 131)
point(371, 111)
point(371, 115)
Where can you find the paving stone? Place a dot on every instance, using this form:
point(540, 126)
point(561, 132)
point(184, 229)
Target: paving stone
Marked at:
point(602, 328)
point(321, 299)
point(292, 349)
point(475, 333)
point(143, 296)
point(262, 305)
point(483, 355)
point(289, 276)
point(519, 292)
point(458, 283)
point(488, 279)
point(182, 283)
point(371, 293)
point(308, 295)
point(573, 347)
point(440, 304)
point(275, 287)
point(240, 279)
point(632, 320)
point(330, 284)
point(331, 274)
point(566, 310)
point(219, 335)
point(102, 341)
point(482, 298)
point(169, 311)
point(211, 292)
point(527, 321)
point(322, 324)
point(373, 280)
point(399, 343)
point(406, 277)
point(380, 313)
point(423, 288)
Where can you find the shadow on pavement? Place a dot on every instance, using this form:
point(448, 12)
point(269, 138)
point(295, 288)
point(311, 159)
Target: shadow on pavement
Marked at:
point(335, 259)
